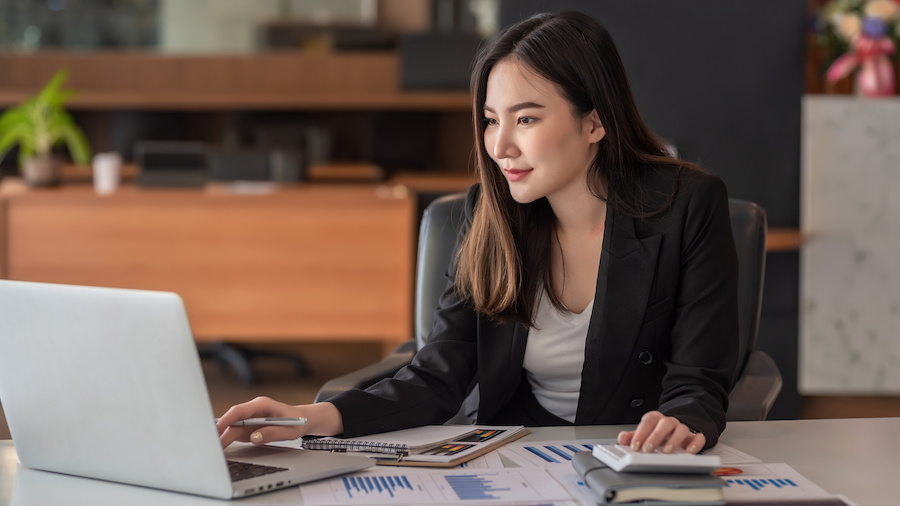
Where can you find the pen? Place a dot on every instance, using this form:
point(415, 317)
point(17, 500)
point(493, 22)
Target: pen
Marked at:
point(282, 421)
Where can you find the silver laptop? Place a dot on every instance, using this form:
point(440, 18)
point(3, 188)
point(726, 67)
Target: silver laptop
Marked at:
point(106, 383)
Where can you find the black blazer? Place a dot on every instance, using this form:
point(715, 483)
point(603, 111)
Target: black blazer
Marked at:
point(663, 333)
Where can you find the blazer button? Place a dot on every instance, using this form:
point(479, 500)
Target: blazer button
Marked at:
point(645, 357)
point(636, 403)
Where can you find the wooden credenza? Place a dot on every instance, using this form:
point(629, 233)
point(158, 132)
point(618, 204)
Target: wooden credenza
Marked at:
point(304, 263)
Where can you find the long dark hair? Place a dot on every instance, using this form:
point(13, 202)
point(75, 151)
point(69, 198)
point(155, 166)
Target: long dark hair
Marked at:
point(505, 259)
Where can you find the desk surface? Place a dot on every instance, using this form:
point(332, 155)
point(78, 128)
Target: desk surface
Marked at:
point(853, 457)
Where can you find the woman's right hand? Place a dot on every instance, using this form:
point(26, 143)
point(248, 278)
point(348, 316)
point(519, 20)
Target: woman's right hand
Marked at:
point(323, 419)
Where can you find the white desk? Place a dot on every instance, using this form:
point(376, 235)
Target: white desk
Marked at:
point(854, 457)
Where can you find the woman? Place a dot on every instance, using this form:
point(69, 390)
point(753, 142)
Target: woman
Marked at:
point(595, 280)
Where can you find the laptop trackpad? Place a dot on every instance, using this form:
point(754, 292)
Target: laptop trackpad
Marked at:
point(247, 452)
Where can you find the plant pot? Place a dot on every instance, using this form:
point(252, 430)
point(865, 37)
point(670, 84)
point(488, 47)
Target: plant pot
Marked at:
point(40, 171)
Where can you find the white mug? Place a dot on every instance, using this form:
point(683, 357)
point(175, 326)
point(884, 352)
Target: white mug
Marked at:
point(107, 167)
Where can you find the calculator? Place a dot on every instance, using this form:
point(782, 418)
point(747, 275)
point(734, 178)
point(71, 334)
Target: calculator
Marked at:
point(623, 459)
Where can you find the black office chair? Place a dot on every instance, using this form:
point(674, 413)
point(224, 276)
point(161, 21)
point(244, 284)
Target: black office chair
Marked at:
point(758, 379)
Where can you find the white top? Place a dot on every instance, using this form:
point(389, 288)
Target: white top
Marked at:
point(554, 357)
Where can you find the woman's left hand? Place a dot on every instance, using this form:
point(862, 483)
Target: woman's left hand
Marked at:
point(657, 430)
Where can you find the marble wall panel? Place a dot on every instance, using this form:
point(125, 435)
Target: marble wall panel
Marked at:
point(850, 258)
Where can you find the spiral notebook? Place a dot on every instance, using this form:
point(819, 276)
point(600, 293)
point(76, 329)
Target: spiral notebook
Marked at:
point(429, 445)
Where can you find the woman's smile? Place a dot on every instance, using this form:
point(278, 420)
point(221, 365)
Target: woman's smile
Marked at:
point(514, 175)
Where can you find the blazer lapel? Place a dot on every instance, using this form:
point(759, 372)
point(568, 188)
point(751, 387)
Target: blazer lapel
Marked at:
point(500, 359)
point(627, 270)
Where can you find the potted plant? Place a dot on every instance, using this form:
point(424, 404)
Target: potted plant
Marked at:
point(39, 124)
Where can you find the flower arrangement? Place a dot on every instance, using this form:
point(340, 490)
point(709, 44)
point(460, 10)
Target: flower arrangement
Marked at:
point(866, 32)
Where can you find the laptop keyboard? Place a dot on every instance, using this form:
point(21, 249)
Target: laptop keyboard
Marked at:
point(244, 470)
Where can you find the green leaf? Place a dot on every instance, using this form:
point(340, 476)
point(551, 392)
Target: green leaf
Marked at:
point(51, 90)
point(56, 117)
point(18, 134)
point(58, 100)
point(77, 143)
point(12, 118)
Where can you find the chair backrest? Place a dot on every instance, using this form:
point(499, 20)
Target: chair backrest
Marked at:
point(440, 225)
point(748, 225)
point(443, 218)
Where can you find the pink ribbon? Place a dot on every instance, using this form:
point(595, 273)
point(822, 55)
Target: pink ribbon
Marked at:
point(876, 72)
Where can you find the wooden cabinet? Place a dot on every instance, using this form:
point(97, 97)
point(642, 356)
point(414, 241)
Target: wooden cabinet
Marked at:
point(123, 97)
point(111, 80)
point(306, 263)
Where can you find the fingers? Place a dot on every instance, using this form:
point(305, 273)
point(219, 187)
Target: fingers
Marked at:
point(263, 435)
point(232, 434)
point(259, 407)
point(241, 412)
point(666, 433)
point(643, 431)
point(676, 438)
point(697, 443)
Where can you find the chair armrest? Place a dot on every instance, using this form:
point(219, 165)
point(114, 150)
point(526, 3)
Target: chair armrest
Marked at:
point(369, 375)
point(756, 390)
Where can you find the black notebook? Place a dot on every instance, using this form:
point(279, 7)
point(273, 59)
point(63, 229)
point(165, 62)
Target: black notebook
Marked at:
point(612, 487)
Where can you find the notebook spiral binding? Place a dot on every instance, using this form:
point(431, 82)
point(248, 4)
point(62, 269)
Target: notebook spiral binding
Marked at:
point(356, 446)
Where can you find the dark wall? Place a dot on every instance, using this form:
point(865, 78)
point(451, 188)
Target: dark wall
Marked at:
point(779, 328)
point(722, 81)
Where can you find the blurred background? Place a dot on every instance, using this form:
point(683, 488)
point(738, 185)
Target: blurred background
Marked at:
point(272, 157)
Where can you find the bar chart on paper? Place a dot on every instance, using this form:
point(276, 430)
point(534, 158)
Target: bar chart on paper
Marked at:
point(551, 453)
point(420, 486)
point(768, 482)
point(375, 487)
point(543, 454)
point(759, 484)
